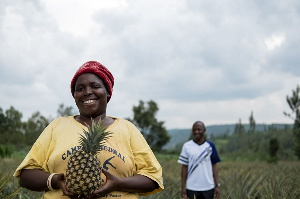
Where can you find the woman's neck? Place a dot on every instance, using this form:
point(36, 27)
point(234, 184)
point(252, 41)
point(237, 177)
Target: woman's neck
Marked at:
point(88, 120)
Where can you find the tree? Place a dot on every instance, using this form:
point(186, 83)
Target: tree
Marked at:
point(3, 123)
point(294, 103)
point(10, 126)
point(34, 127)
point(239, 128)
point(153, 130)
point(252, 124)
point(273, 149)
point(252, 141)
point(158, 136)
point(65, 111)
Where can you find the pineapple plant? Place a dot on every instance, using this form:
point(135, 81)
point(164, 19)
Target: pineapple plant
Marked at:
point(83, 175)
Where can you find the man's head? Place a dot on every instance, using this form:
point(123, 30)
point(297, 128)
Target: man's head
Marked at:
point(198, 131)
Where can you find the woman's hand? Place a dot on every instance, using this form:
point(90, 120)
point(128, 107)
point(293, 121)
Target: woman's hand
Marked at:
point(58, 181)
point(134, 184)
point(112, 184)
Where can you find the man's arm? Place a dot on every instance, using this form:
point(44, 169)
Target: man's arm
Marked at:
point(216, 180)
point(184, 171)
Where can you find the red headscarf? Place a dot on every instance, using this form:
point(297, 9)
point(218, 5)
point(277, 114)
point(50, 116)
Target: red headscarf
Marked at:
point(98, 69)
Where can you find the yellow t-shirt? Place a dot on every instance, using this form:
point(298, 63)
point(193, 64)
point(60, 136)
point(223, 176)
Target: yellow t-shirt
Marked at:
point(126, 153)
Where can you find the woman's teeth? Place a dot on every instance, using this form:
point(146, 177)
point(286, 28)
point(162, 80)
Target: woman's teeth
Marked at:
point(89, 101)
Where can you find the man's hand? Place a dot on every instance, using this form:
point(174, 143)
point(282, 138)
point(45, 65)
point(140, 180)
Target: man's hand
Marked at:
point(217, 192)
point(183, 194)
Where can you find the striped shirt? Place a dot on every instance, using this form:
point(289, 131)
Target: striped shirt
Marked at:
point(199, 159)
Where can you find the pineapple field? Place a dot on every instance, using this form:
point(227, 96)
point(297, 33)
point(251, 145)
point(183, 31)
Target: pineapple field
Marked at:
point(239, 180)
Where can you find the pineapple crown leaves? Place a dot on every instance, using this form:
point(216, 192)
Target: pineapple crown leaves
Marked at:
point(93, 139)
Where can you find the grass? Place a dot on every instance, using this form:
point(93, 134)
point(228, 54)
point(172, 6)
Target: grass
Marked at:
point(239, 180)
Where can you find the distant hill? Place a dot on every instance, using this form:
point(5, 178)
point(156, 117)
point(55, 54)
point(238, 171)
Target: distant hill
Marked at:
point(179, 136)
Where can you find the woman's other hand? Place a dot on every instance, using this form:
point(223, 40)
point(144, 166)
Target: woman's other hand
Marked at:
point(112, 184)
point(134, 184)
point(58, 181)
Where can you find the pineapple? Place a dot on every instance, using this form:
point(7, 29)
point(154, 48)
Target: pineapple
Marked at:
point(83, 175)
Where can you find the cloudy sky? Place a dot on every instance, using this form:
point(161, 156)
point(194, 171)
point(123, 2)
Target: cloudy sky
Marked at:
point(214, 61)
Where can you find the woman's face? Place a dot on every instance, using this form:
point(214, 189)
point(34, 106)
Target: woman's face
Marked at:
point(90, 95)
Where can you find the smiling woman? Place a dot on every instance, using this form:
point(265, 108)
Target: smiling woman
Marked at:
point(129, 165)
point(90, 96)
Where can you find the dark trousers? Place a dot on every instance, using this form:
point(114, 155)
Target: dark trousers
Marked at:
point(200, 194)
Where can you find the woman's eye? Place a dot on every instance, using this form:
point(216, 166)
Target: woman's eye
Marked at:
point(79, 88)
point(96, 86)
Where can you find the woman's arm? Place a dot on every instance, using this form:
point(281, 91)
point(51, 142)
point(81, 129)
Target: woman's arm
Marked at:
point(36, 180)
point(135, 184)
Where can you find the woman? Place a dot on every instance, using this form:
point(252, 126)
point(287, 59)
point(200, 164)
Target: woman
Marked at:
point(130, 167)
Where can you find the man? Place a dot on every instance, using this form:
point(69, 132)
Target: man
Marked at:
point(199, 173)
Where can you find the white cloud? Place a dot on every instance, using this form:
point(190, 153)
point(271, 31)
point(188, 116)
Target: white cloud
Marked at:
point(76, 16)
point(274, 41)
point(199, 60)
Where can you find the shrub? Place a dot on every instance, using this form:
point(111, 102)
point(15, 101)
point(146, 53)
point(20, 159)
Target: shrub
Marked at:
point(6, 151)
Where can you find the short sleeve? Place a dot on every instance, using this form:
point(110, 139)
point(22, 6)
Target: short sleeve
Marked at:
point(145, 160)
point(214, 156)
point(183, 158)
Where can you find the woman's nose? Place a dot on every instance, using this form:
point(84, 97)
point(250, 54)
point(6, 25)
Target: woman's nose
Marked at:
point(88, 91)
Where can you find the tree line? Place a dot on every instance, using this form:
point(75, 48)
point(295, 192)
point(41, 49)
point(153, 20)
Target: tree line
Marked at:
point(270, 144)
point(18, 134)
